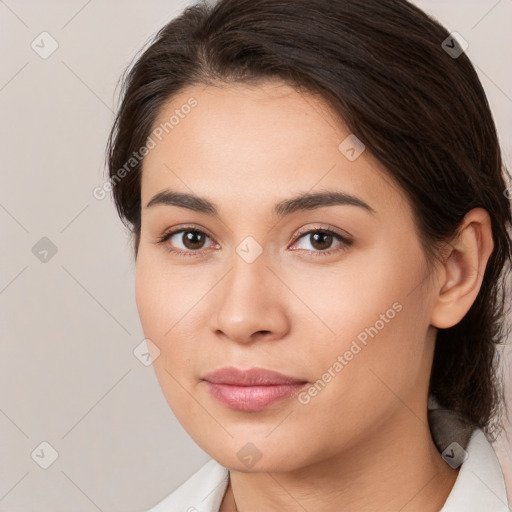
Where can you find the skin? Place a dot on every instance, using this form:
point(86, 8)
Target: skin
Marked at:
point(246, 148)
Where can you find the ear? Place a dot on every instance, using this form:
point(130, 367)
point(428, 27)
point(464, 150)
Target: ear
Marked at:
point(463, 268)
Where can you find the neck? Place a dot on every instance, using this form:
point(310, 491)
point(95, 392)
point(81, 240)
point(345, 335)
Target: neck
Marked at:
point(395, 467)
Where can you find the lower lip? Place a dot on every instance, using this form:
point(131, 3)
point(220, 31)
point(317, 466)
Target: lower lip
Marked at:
point(252, 398)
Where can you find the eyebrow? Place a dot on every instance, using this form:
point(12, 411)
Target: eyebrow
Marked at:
point(301, 202)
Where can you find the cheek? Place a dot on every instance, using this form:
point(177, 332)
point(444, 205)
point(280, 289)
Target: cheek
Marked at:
point(169, 301)
point(367, 372)
point(352, 296)
point(149, 292)
point(381, 318)
point(161, 305)
point(162, 295)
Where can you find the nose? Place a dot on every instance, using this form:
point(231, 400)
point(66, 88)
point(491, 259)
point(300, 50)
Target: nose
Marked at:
point(251, 303)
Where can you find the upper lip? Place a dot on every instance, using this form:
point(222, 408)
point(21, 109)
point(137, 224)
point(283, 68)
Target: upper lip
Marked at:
point(251, 377)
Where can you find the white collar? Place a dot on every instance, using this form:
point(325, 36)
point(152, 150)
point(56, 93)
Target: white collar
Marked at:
point(479, 487)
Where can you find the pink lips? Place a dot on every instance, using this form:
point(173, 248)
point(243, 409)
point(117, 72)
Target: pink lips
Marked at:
point(250, 390)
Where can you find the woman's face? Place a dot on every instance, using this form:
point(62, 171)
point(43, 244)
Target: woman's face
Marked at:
point(347, 313)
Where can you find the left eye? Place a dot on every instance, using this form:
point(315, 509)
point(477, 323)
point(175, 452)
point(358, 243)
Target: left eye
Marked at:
point(321, 240)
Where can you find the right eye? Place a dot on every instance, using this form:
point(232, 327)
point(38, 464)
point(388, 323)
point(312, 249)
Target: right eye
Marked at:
point(191, 239)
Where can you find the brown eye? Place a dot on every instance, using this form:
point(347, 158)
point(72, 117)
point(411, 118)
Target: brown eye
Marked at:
point(193, 240)
point(185, 241)
point(321, 240)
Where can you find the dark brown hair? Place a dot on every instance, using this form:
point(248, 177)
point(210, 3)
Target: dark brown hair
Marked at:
point(421, 111)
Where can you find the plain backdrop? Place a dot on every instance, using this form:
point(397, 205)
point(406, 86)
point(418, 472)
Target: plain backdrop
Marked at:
point(68, 374)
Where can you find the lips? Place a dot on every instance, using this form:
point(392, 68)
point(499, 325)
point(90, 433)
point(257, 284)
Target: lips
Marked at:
point(254, 377)
point(251, 390)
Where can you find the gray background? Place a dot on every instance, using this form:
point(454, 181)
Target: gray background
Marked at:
point(69, 325)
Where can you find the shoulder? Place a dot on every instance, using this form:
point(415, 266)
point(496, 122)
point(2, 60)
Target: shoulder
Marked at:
point(202, 492)
point(480, 484)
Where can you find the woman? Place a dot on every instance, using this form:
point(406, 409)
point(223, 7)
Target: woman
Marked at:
point(320, 222)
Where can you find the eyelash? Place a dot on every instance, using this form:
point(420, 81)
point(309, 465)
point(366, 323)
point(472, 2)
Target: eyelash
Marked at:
point(345, 242)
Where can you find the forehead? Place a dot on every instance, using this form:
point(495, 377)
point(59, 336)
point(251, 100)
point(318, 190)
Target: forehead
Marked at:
point(247, 142)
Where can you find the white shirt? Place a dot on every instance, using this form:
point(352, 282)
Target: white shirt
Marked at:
point(479, 487)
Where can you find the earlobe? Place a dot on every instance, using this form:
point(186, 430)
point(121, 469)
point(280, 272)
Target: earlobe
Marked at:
point(463, 269)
